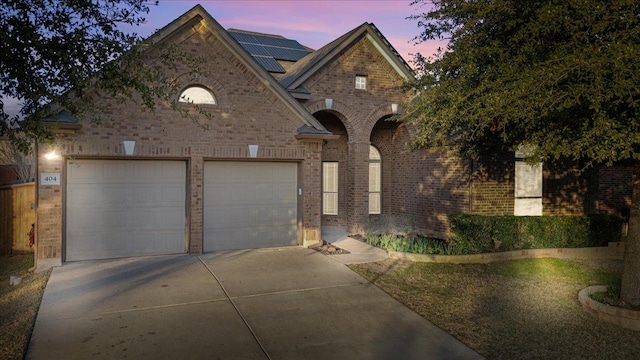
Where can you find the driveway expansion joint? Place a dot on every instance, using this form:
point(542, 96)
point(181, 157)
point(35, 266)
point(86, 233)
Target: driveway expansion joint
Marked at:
point(255, 336)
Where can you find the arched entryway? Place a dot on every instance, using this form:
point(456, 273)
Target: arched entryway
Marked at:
point(397, 195)
point(335, 164)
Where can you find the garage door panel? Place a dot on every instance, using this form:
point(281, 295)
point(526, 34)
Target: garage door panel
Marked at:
point(264, 193)
point(118, 208)
point(249, 205)
point(285, 193)
point(83, 195)
point(285, 215)
point(115, 172)
point(86, 172)
point(173, 195)
point(240, 194)
point(111, 195)
point(108, 219)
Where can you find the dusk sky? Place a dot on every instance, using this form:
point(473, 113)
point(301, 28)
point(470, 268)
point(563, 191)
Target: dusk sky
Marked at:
point(313, 23)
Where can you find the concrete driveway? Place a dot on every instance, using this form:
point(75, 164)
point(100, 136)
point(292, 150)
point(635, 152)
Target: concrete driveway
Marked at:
point(281, 303)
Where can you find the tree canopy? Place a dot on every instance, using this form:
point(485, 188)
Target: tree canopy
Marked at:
point(60, 52)
point(559, 75)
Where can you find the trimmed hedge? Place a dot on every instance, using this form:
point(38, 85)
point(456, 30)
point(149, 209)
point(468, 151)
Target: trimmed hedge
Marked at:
point(475, 234)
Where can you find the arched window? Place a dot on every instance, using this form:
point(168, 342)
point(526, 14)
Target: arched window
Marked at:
point(197, 95)
point(375, 176)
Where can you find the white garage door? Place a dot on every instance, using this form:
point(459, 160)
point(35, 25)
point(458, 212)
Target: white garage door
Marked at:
point(249, 205)
point(120, 208)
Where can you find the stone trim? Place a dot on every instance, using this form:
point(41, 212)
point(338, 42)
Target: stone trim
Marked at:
point(614, 251)
point(628, 319)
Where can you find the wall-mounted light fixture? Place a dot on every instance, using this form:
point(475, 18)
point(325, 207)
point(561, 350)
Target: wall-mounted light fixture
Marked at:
point(328, 103)
point(253, 151)
point(52, 155)
point(394, 108)
point(129, 146)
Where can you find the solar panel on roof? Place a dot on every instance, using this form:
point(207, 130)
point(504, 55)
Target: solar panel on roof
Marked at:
point(264, 40)
point(270, 64)
point(299, 54)
point(255, 49)
point(267, 49)
point(242, 37)
point(286, 54)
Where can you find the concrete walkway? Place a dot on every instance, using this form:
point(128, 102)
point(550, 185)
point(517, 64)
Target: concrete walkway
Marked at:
point(280, 303)
point(360, 252)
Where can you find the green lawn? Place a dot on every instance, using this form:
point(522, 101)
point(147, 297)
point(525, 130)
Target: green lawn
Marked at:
point(523, 309)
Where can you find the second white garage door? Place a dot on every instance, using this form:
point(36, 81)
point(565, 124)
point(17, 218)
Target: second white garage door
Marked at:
point(249, 205)
point(120, 208)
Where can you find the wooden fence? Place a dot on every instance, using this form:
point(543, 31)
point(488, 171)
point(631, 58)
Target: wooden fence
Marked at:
point(17, 213)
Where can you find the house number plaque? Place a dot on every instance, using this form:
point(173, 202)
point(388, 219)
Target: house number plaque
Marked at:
point(49, 178)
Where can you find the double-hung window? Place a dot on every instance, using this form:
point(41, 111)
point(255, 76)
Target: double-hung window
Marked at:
point(330, 188)
point(375, 175)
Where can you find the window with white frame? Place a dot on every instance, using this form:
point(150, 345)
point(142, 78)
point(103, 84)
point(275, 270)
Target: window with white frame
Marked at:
point(375, 175)
point(528, 185)
point(197, 95)
point(361, 82)
point(330, 188)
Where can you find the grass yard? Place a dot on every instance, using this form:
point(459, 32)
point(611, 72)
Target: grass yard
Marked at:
point(522, 309)
point(18, 304)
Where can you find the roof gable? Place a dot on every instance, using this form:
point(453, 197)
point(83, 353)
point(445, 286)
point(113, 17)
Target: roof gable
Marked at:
point(198, 15)
point(310, 64)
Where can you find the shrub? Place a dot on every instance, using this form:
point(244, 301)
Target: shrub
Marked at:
point(476, 234)
point(416, 245)
point(479, 234)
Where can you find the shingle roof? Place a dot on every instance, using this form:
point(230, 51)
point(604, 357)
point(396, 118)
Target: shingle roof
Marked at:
point(62, 117)
point(309, 130)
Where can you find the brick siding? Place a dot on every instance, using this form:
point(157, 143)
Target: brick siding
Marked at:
point(247, 112)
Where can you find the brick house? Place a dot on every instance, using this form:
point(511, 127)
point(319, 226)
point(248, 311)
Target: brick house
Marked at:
point(299, 139)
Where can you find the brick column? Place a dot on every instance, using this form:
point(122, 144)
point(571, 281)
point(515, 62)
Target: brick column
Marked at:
point(48, 250)
point(195, 216)
point(358, 186)
point(311, 192)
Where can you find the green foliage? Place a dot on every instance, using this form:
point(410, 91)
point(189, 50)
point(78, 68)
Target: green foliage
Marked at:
point(557, 270)
point(559, 75)
point(611, 296)
point(481, 234)
point(477, 234)
point(416, 245)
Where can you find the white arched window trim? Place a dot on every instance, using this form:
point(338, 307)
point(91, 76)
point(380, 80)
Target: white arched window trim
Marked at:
point(375, 181)
point(196, 94)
